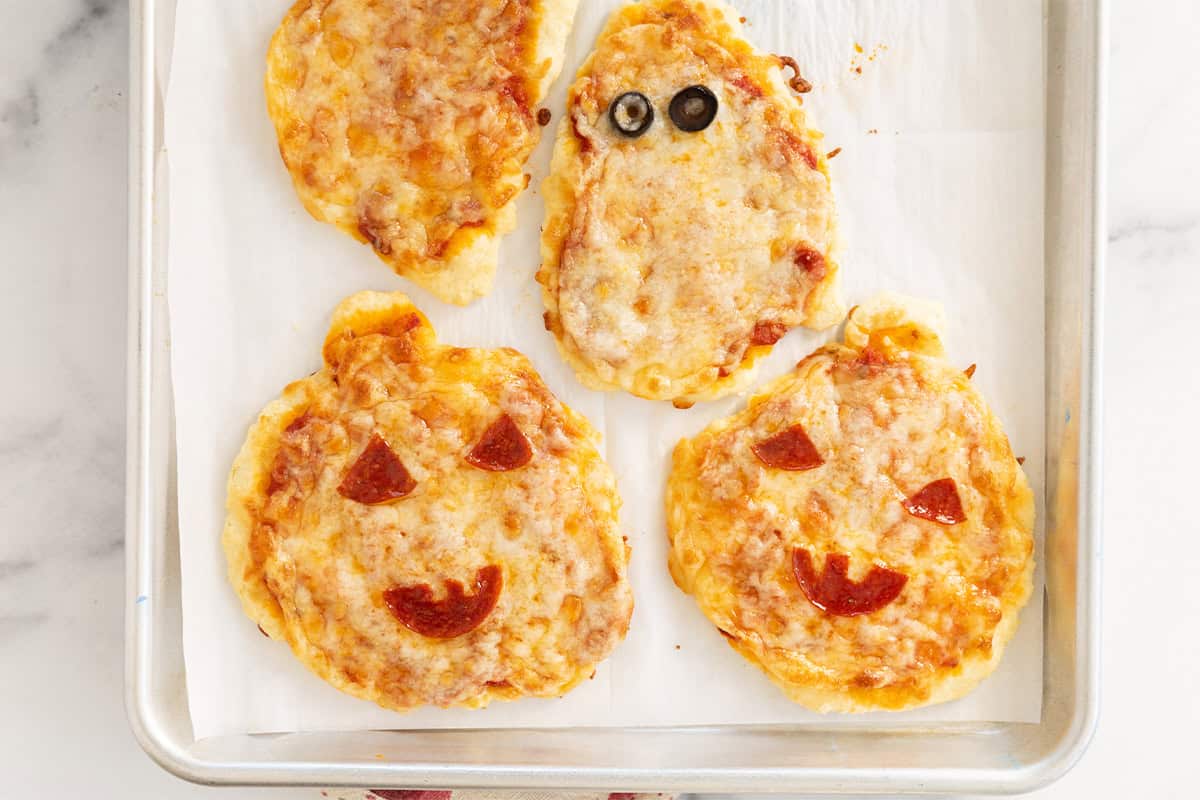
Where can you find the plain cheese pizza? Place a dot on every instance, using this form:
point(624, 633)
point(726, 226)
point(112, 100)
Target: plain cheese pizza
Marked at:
point(407, 123)
point(861, 531)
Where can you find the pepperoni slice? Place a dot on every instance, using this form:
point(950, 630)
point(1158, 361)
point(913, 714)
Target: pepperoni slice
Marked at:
point(455, 614)
point(937, 502)
point(833, 592)
point(377, 476)
point(767, 332)
point(790, 449)
point(501, 448)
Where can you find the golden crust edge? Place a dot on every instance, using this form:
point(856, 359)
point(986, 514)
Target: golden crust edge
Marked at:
point(246, 477)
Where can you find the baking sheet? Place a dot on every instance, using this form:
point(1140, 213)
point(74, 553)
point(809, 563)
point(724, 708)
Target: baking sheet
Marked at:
point(939, 185)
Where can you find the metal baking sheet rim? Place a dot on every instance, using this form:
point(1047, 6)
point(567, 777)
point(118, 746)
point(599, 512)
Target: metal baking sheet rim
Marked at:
point(990, 759)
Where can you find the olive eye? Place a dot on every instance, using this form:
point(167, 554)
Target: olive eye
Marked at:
point(631, 114)
point(694, 108)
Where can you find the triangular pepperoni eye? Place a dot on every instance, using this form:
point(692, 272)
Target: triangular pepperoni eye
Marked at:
point(790, 449)
point(377, 476)
point(832, 590)
point(501, 448)
point(937, 502)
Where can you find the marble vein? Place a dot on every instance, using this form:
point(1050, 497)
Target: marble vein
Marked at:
point(27, 436)
point(21, 114)
point(80, 28)
point(12, 624)
point(104, 549)
point(12, 567)
point(1131, 230)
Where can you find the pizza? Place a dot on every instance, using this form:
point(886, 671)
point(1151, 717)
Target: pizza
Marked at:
point(861, 531)
point(690, 220)
point(407, 123)
point(427, 524)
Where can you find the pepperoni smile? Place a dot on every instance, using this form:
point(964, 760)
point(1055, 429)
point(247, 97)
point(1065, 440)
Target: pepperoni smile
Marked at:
point(833, 592)
point(455, 614)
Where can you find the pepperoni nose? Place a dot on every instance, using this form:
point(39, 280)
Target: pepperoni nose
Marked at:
point(790, 449)
point(937, 502)
point(501, 448)
point(377, 476)
point(832, 590)
point(454, 614)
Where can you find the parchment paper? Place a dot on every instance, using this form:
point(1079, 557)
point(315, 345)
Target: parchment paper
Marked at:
point(939, 186)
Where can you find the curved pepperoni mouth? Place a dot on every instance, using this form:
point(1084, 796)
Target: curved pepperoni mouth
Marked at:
point(455, 613)
point(832, 590)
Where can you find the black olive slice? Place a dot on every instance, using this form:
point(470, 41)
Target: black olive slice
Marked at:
point(631, 114)
point(694, 108)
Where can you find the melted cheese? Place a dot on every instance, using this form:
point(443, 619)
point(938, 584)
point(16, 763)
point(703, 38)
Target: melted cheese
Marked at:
point(407, 124)
point(888, 416)
point(661, 254)
point(311, 565)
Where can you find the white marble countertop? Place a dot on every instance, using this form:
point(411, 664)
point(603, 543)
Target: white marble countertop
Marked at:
point(62, 322)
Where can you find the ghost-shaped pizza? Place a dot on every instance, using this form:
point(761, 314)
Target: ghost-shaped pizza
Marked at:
point(689, 216)
point(426, 524)
point(407, 123)
point(861, 531)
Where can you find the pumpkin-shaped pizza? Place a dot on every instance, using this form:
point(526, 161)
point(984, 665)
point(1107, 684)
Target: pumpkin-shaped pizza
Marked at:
point(861, 531)
point(426, 524)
